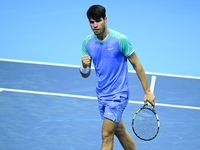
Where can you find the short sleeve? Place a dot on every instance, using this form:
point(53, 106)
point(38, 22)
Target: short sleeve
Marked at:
point(84, 49)
point(125, 46)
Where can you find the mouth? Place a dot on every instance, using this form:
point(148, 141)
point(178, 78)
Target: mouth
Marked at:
point(95, 30)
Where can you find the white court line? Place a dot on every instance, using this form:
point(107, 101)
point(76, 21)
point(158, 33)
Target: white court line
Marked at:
point(90, 97)
point(76, 66)
point(46, 93)
point(168, 75)
point(38, 63)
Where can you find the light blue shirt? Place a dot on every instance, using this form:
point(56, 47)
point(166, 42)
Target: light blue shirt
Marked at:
point(110, 61)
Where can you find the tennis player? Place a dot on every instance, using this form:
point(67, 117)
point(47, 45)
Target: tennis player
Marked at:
point(109, 51)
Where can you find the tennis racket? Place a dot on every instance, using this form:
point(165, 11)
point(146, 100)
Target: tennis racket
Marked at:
point(145, 123)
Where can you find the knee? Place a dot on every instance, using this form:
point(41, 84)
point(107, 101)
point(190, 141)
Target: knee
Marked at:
point(106, 136)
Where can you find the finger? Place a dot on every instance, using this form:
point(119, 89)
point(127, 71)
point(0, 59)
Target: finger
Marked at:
point(86, 58)
point(152, 103)
point(145, 101)
point(86, 61)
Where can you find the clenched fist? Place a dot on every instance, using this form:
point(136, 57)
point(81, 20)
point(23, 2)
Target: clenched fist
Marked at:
point(86, 61)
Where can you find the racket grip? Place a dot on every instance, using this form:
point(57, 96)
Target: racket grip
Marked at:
point(147, 103)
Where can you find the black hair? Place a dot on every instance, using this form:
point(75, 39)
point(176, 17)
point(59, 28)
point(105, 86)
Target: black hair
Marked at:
point(96, 12)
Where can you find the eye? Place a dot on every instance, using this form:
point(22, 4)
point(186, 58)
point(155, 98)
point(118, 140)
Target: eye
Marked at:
point(99, 20)
point(91, 22)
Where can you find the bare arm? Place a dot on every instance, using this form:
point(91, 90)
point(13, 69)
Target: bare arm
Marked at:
point(143, 79)
point(86, 62)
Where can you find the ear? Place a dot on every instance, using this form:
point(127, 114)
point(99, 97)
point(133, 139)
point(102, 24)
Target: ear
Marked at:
point(105, 19)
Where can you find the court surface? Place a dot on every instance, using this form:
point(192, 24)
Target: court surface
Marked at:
point(51, 107)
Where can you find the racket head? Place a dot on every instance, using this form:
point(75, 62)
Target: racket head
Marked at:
point(145, 123)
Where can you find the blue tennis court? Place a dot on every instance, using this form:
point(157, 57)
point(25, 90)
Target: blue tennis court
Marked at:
point(47, 105)
point(51, 107)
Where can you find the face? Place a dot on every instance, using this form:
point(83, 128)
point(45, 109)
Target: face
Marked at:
point(98, 25)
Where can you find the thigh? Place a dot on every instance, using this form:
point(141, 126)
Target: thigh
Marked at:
point(109, 126)
point(120, 126)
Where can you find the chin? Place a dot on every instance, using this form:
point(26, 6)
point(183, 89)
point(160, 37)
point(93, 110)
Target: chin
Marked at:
point(96, 33)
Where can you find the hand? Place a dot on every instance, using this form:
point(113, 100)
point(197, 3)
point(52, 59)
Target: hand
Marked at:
point(150, 97)
point(86, 61)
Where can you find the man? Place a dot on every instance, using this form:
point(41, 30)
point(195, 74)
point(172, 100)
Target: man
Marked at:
point(109, 51)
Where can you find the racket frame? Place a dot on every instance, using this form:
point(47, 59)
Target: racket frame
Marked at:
point(151, 109)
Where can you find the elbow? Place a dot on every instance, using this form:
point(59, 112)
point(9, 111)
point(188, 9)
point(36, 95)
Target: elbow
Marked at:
point(135, 67)
point(138, 68)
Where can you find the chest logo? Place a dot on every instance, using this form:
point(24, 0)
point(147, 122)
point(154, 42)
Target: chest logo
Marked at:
point(110, 49)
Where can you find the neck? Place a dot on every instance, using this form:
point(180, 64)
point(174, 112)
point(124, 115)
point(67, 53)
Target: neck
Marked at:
point(103, 35)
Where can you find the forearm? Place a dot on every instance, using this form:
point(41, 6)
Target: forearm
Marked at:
point(143, 78)
point(140, 71)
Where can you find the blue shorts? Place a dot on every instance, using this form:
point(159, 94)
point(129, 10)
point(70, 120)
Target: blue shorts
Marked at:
point(112, 109)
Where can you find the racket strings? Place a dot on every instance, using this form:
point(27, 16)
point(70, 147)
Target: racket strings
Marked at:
point(145, 124)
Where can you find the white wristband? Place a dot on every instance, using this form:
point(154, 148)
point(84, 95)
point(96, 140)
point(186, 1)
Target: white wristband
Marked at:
point(84, 70)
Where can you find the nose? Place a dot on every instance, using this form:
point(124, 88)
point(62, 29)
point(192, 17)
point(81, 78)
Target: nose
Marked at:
point(95, 24)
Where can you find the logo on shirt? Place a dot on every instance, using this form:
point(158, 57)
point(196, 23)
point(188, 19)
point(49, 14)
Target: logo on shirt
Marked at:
point(110, 49)
point(109, 113)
